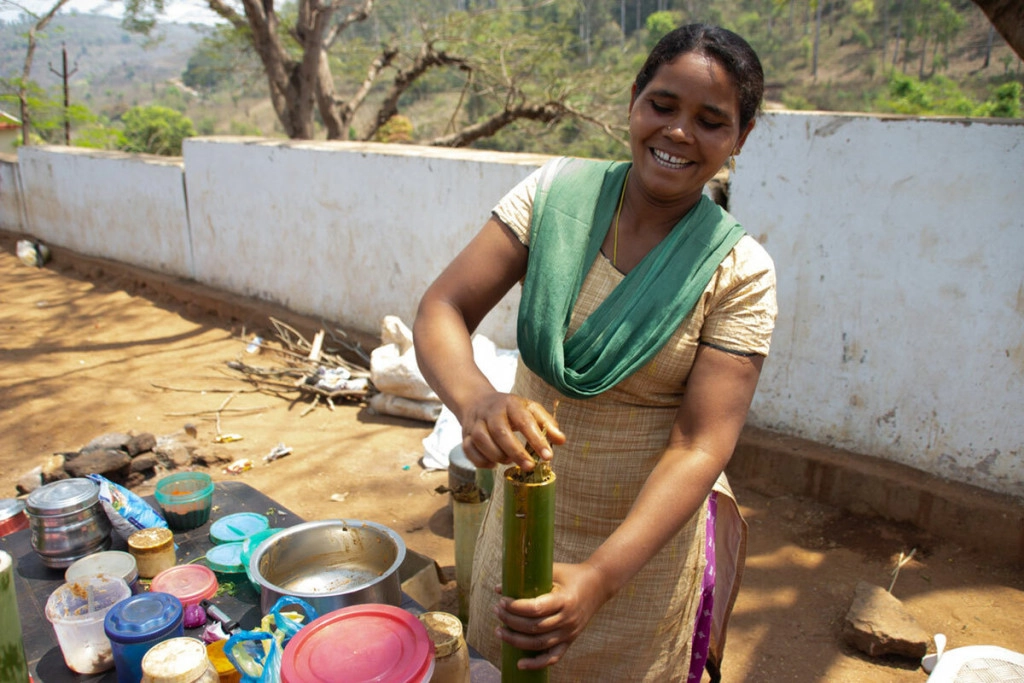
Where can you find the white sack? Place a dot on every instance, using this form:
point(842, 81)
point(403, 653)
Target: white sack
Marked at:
point(393, 367)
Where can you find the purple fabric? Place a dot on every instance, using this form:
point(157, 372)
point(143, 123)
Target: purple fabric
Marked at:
point(702, 627)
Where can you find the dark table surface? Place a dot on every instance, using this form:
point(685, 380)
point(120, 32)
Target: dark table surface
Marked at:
point(34, 582)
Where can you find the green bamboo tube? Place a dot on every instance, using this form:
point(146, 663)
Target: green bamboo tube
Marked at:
point(529, 529)
point(13, 667)
point(467, 515)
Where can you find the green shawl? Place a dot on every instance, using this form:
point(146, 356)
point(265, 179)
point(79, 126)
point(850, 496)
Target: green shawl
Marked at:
point(575, 203)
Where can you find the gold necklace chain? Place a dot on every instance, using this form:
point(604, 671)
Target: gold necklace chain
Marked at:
point(618, 212)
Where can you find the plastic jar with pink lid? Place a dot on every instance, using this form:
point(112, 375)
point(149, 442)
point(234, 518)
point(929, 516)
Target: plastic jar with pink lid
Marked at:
point(190, 583)
point(372, 642)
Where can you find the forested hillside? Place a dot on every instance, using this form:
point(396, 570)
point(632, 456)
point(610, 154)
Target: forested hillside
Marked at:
point(923, 57)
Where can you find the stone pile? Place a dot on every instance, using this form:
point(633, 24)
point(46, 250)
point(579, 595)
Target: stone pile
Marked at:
point(126, 459)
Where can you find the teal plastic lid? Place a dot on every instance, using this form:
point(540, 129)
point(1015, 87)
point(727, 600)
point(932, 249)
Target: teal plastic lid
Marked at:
point(237, 527)
point(226, 558)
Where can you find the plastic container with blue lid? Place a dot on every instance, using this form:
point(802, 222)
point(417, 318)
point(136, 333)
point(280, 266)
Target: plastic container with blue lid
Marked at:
point(238, 527)
point(137, 624)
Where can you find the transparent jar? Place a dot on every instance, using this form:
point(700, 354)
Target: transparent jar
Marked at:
point(451, 654)
point(178, 660)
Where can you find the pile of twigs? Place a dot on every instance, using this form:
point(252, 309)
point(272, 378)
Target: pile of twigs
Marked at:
point(314, 370)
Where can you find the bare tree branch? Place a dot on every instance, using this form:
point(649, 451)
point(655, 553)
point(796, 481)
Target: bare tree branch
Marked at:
point(427, 59)
point(548, 112)
point(355, 16)
point(1007, 16)
point(228, 13)
point(347, 109)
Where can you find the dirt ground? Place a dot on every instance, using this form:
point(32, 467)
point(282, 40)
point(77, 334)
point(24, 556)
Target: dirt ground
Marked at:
point(88, 351)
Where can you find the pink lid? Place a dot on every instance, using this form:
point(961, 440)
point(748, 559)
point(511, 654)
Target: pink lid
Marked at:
point(378, 643)
point(190, 583)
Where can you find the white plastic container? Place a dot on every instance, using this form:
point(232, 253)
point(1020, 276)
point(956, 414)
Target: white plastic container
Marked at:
point(76, 610)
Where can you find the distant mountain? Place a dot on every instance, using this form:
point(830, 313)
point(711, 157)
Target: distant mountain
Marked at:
point(105, 58)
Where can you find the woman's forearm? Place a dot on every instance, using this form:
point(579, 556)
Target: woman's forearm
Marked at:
point(444, 353)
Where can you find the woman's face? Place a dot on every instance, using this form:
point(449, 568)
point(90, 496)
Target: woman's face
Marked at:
point(683, 127)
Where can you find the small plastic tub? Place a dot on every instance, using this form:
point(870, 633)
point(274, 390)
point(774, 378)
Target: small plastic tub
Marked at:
point(371, 642)
point(226, 562)
point(77, 611)
point(135, 625)
point(190, 583)
point(186, 499)
point(238, 527)
point(113, 562)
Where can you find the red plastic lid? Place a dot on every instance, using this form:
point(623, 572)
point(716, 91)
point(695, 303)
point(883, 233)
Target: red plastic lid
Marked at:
point(378, 643)
point(190, 583)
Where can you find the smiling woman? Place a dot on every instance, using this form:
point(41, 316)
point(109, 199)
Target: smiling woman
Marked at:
point(646, 313)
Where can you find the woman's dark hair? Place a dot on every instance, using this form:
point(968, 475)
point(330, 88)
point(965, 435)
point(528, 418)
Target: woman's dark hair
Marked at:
point(731, 51)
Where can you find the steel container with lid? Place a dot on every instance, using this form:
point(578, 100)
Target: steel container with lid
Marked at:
point(67, 521)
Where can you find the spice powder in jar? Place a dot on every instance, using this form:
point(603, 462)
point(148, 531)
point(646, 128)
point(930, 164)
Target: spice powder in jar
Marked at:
point(153, 550)
point(451, 655)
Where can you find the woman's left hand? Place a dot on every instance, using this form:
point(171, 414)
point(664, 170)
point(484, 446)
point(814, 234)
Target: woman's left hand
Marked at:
point(548, 624)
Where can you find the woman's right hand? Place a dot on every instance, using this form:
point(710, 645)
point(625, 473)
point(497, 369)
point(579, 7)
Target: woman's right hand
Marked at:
point(489, 429)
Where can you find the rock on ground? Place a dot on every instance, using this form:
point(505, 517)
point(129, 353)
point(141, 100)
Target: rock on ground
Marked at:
point(879, 625)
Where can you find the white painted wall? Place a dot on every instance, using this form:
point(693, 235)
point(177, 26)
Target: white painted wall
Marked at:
point(350, 231)
point(899, 247)
point(125, 207)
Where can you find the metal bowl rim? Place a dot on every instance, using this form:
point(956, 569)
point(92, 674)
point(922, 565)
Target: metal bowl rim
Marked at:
point(267, 543)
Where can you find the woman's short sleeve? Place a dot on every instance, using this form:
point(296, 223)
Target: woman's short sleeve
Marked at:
point(741, 309)
point(516, 208)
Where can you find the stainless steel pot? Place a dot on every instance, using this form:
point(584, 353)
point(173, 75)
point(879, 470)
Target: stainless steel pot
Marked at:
point(330, 564)
point(67, 521)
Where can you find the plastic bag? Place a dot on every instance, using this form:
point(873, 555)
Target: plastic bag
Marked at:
point(127, 511)
point(32, 252)
point(257, 654)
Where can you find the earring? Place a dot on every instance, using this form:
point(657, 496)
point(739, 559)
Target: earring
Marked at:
point(732, 163)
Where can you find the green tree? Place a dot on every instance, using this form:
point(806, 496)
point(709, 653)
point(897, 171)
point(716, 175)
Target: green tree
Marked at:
point(47, 122)
point(658, 24)
point(30, 40)
point(1005, 102)
point(155, 130)
point(300, 44)
point(223, 58)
